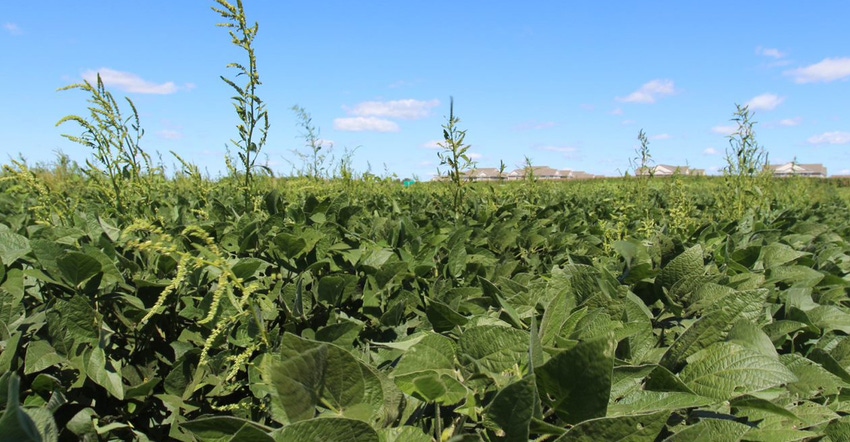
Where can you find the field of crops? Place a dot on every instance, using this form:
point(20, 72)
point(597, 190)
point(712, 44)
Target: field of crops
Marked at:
point(361, 310)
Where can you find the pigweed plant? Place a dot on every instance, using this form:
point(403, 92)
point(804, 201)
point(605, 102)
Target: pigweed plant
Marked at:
point(746, 173)
point(454, 155)
point(314, 159)
point(254, 118)
point(114, 141)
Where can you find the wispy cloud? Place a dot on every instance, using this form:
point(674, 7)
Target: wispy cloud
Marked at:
point(13, 28)
point(434, 144)
point(770, 52)
point(475, 156)
point(365, 124)
point(628, 122)
point(710, 151)
point(831, 138)
point(129, 82)
point(790, 122)
point(724, 130)
point(650, 92)
point(825, 71)
point(617, 112)
point(401, 109)
point(765, 102)
point(536, 125)
point(661, 137)
point(170, 134)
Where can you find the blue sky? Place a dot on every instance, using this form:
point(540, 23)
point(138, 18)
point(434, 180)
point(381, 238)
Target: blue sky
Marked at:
point(566, 84)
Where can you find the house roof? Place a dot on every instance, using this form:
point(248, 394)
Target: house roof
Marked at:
point(797, 168)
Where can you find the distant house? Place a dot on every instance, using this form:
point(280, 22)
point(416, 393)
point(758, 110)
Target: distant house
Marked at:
point(548, 173)
point(484, 174)
point(667, 170)
point(796, 169)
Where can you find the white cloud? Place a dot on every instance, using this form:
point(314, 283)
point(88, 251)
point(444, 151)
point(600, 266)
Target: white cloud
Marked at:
point(365, 124)
point(710, 151)
point(628, 122)
point(129, 82)
point(661, 137)
point(13, 28)
point(402, 109)
point(724, 130)
point(765, 102)
point(770, 52)
point(829, 69)
point(618, 111)
point(650, 92)
point(831, 138)
point(170, 134)
point(790, 122)
point(432, 145)
point(474, 156)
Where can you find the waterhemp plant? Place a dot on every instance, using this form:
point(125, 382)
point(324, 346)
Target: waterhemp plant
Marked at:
point(746, 173)
point(254, 118)
point(454, 156)
point(114, 141)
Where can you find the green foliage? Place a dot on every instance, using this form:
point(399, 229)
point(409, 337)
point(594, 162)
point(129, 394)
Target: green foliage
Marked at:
point(254, 118)
point(747, 174)
point(362, 310)
point(454, 156)
point(114, 141)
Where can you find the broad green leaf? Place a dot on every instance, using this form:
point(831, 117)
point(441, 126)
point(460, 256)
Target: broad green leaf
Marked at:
point(749, 335)
point(247, 268)
point(725, 370)
point(15, 424)
point(427, 371)
point(513, 407)
point(711, 430)
point(312, 374)
point(714, 326)
point(839, 429)
point(812, 378)
point(327, 429)
point(224, 428)
point(577, 382)
point(777, 254)
point(748, 402)
point(431, 352)
point(78, 267)
point(404, 433)
point(687, 265)
point(634, 428)
point(44, 422)
point(651, 401)
point(12, 247)
point(442, 317)
point(494, 349)
point(105, 372)
point(40, 355)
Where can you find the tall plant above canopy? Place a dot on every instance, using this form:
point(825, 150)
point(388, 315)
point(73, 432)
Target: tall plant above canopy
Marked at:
point(254, 118)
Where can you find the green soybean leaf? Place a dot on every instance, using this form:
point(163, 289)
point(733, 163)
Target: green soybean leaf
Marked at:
point(687, 265)
point(404, 433)
point(12, 247)
point(327, 429)
point(725, 370)
point(226, 428)
point(577, 382)
point(78, 267)
point(105, 372)
point(513, 407)
point(494, 349)
point(15, 424)
point(635, 428)
point(711, 430)
point(40, 355)
point(312, 374)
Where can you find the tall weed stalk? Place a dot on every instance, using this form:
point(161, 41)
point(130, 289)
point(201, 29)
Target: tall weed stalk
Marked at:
point(254, 118)
point(746, 174)
point(454, 154)
point(114, 141)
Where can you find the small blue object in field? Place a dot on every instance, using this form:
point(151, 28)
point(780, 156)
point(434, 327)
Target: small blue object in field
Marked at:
point(408, 183)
